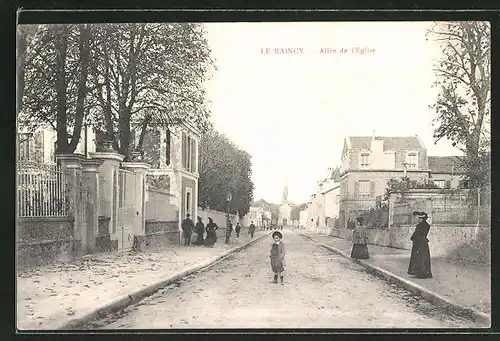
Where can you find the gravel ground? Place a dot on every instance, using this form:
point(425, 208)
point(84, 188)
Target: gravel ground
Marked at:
point(321, 290)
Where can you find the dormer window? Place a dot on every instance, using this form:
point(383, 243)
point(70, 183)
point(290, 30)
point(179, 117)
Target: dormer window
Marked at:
point(364, 161)
point(412, 160)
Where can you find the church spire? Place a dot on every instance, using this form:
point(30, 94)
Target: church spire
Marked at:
point(285, 193)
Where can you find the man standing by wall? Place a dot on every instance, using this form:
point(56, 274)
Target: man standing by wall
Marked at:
point(187, 229)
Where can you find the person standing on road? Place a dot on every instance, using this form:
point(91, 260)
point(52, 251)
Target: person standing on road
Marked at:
point(229, 230)
point(359, 239)
point(420, 259)
point(251, 229)
point(200, 230)
point(187, 229)
point(211, 235)
point(237, 229)
point(277, 255)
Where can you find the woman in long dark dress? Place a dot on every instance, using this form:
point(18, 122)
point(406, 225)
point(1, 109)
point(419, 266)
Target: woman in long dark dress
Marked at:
point(200, 230)
point(211, 235)
point(359, 239)
point(420, 259)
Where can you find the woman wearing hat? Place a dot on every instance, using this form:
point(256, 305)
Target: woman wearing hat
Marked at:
point(278, 256)
point(420, 260)
point(359, 239)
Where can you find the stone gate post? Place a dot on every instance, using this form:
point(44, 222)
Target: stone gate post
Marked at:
point(90, 176)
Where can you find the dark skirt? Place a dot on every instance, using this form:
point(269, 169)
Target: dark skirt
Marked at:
point(210, 239)
point(360, 251)
point(420, 260)
point(277, 265)
point(199, 240)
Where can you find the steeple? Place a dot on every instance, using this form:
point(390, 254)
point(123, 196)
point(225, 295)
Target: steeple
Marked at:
point(285, 189)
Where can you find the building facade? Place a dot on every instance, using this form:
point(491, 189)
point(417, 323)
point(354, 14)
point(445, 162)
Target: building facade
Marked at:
point(368, 163)
point(258, 215)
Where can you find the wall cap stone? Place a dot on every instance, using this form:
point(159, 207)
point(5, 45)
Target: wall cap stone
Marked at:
point(107, 156)
point(43, 219)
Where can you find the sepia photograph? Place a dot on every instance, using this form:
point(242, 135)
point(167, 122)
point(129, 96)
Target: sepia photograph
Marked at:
point(253, 175)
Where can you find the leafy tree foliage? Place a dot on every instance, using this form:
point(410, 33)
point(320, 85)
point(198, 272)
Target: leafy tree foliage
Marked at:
point(463, 75)
point(223, 169)
point(117, 77)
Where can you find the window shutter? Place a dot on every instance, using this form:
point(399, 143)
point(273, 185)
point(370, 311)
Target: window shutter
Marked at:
point(193, 156)
point(356, 189)
point(372, 189)
point(167, 149)
point(183, 150)
point(447, 184)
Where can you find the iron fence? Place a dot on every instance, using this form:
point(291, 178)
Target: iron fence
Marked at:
point(41, 190)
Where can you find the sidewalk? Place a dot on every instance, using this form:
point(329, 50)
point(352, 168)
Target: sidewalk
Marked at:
point(49, 295)
point(466, 285)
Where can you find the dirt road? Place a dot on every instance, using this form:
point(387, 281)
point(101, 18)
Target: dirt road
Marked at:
point(321, 290)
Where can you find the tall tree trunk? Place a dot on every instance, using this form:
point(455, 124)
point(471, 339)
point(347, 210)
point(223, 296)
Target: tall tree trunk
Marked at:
point(61, 45)
point(22, 46)
point(124, 125)
point(84, 59)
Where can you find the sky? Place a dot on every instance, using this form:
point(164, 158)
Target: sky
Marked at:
point(291, 112)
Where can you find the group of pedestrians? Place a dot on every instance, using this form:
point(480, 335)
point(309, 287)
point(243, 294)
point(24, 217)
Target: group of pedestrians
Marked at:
point(211, 236)
point(420, 259)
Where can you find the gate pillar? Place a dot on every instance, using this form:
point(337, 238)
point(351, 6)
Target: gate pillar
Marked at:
point(108, 192)
point(140, 169)
point(90, 177)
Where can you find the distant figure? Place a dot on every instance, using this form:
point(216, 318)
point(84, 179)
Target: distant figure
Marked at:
point(277, 255)
point(359, 239)
point(211, 235)
point(420, 260)
point(187, 229)
point(237, 229)
point(200, 230)
point(229, 230)
point(251, 229)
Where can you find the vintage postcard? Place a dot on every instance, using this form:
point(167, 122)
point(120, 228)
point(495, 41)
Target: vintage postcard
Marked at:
point(241, 175)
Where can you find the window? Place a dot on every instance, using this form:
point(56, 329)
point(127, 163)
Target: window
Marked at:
point(25, 141)
point(412, 160)
point(439, 183)
point(188, 153)
point(364, 160)
point(167, 149)
point(364, 189)
point(188, 202)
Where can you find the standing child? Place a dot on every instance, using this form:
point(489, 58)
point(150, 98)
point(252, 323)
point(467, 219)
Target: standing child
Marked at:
point(277, 256)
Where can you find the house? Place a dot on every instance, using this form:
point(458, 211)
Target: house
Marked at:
point(303, 219)
point(260, 217)
point(39, 146)
point(173, 156)
point(368, 163)
point(323, 207)
point(446, 171)
point(171, 153)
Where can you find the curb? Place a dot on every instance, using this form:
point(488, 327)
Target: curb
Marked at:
point(478, 317)
point(136, 296)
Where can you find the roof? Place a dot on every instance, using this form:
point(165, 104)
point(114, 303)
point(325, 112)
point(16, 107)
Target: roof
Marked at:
point(444, 164)
point(390, 142)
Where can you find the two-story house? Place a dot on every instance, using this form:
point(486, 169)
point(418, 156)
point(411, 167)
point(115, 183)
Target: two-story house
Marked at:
point(173, 156)
point(368, 163)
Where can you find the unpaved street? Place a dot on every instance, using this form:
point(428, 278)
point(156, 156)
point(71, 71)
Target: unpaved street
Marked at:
point(321, 290)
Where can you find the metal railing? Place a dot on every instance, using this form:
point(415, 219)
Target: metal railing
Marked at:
point(41, 190)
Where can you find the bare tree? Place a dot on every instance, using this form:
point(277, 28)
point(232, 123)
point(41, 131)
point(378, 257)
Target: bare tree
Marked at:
point(463, 105)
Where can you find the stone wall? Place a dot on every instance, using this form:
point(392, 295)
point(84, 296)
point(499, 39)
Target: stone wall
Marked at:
point(158, 234)
point(41, 240)
point(158, 206)
point(451, 241)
